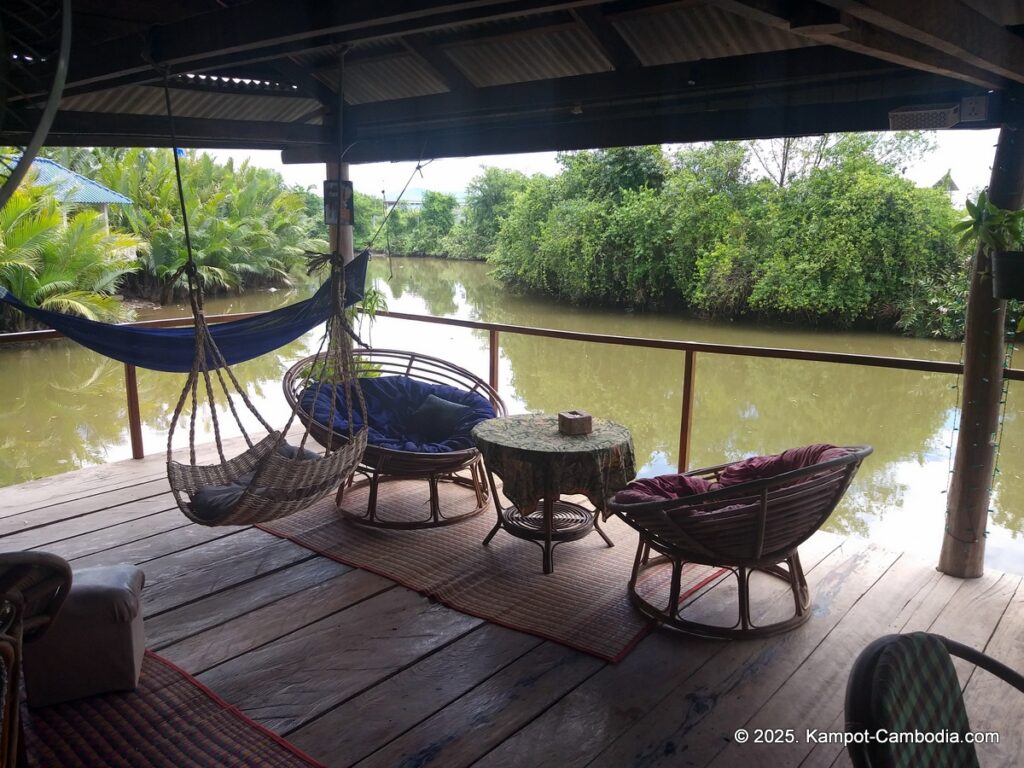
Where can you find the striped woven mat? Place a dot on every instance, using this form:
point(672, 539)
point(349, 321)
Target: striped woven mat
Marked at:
point(170, 721)
point(584, 604)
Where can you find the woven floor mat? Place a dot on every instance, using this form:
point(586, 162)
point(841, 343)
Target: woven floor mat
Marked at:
point(584, 604)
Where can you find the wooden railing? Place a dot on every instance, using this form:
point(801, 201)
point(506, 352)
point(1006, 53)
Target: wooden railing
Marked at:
point(690, 350)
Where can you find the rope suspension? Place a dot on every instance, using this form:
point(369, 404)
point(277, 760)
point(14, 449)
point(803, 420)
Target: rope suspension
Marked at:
point(270, 479)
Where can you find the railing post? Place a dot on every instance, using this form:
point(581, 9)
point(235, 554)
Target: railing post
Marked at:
point(686, 418)
point(493, 350)
point(131, 386)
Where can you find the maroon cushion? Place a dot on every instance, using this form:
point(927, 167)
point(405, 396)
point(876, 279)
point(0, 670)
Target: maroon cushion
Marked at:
point(661, 488)
point(761, 467)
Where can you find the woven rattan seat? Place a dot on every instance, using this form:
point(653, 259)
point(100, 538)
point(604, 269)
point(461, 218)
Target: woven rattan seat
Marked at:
point(907, 684)
point(380, 464)
point(33, 586)
point(749, 526)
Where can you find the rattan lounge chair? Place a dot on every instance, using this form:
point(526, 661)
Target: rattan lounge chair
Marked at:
point(748, 526)
point(907, 683)
point(33, 586)
point(382, 463)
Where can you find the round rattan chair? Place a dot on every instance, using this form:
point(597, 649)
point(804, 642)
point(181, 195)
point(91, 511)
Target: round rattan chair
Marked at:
point(33, 586)
point(750, 526)
point(382, 464)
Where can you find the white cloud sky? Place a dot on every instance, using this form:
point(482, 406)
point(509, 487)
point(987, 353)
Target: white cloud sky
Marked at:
point(968, 154)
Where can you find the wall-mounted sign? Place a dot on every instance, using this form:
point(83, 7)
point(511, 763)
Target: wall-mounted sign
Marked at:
point(339, 207)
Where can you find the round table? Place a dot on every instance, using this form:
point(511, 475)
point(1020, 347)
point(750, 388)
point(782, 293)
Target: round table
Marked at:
point(537, 464)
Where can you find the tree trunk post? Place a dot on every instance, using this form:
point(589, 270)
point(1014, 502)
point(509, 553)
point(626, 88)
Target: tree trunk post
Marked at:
point(341, 235)
point(967, 505)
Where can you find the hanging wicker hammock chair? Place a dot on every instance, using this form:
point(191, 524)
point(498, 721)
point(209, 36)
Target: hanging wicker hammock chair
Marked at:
point(270, 479)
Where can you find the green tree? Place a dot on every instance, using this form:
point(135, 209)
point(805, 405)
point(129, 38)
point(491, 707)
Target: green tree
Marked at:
point(435, 220)
point(489, 199)
point(74, 267)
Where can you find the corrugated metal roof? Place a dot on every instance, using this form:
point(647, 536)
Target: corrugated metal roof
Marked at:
point(71, 187)
point(675, 35)
point(395, 77)
point(519, 58)
point(149, 100)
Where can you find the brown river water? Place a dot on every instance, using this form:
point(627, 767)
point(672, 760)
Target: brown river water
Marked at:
point(63, 406)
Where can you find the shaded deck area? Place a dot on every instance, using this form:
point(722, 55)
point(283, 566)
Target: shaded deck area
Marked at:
point(356, 670)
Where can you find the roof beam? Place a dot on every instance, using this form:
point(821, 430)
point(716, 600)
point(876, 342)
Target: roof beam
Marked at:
point(763, 118)
point(307, 81)
point(443, 67)
point(946, 25)
point(102, 129)
point(248, 28)
point(593, 21)
point(802, 67)
point(828, 25)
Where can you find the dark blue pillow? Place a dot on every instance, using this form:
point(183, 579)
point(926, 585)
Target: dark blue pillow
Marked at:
point(212, 502)
point(436, 419)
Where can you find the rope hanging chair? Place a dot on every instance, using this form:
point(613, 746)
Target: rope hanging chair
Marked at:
point(270, 479)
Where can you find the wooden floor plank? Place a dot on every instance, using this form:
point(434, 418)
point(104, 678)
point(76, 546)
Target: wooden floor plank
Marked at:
point(355, 669)
point(210, 611)
point(387, 710)
point(122, 534)
point(883, 609)
point(185, 576)
point(470, 727)
point(991, 703)
point(84, 484)
point(141, 551)
point(292, 681)
point(696, 718)
point(920, 616)
point(97, 511)
point(271, 622)
point(79, 484)
point(586, 721)
point(984, 600)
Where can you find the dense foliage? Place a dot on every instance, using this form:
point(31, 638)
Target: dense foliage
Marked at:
point(838, 236)
point(247, 227)
point(61, 259)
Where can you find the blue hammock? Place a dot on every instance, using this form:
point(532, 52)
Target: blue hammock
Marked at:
point(173, 349)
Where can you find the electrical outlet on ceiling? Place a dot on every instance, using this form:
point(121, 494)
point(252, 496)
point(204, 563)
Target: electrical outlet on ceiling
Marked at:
point(973, 109)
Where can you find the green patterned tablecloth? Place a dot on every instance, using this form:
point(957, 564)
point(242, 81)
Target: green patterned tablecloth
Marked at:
point(535, 460)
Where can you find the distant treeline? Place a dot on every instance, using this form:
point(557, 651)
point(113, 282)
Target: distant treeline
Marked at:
point(807, 230)
point(827, 231)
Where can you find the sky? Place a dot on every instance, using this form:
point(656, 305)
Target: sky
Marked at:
point(967, 154)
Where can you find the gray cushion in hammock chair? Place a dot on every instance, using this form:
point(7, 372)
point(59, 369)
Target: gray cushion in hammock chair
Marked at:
point(212, 502)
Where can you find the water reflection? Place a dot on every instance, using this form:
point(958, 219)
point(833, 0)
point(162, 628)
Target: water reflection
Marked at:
point(64, 406)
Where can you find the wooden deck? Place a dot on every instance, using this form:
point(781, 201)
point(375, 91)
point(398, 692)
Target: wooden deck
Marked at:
point(356, 670)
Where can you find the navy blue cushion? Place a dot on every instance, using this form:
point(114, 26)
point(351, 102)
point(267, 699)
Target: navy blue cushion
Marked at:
point(392, 403)
point(212, 502)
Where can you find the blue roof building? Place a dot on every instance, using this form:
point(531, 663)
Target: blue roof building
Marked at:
point(71, 187)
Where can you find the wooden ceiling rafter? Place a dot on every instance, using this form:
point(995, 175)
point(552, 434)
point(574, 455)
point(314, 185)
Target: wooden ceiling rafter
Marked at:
point(443, 68)
point(946, 25)
point(267, 24)
point(831, 25)
point(604, 35)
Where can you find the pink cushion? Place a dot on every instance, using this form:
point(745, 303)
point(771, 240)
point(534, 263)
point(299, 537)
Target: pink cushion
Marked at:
point(755, 468)
point(761, 467)
point(661, 488)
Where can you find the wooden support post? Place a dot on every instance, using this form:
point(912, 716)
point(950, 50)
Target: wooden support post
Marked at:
point(340, 235)
point(967, 505)
point(131, 386)
point(686, 418)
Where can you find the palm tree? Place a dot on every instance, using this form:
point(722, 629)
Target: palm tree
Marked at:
point(74, 268)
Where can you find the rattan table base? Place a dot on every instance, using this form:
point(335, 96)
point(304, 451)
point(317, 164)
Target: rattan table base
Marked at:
point(568, 522)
